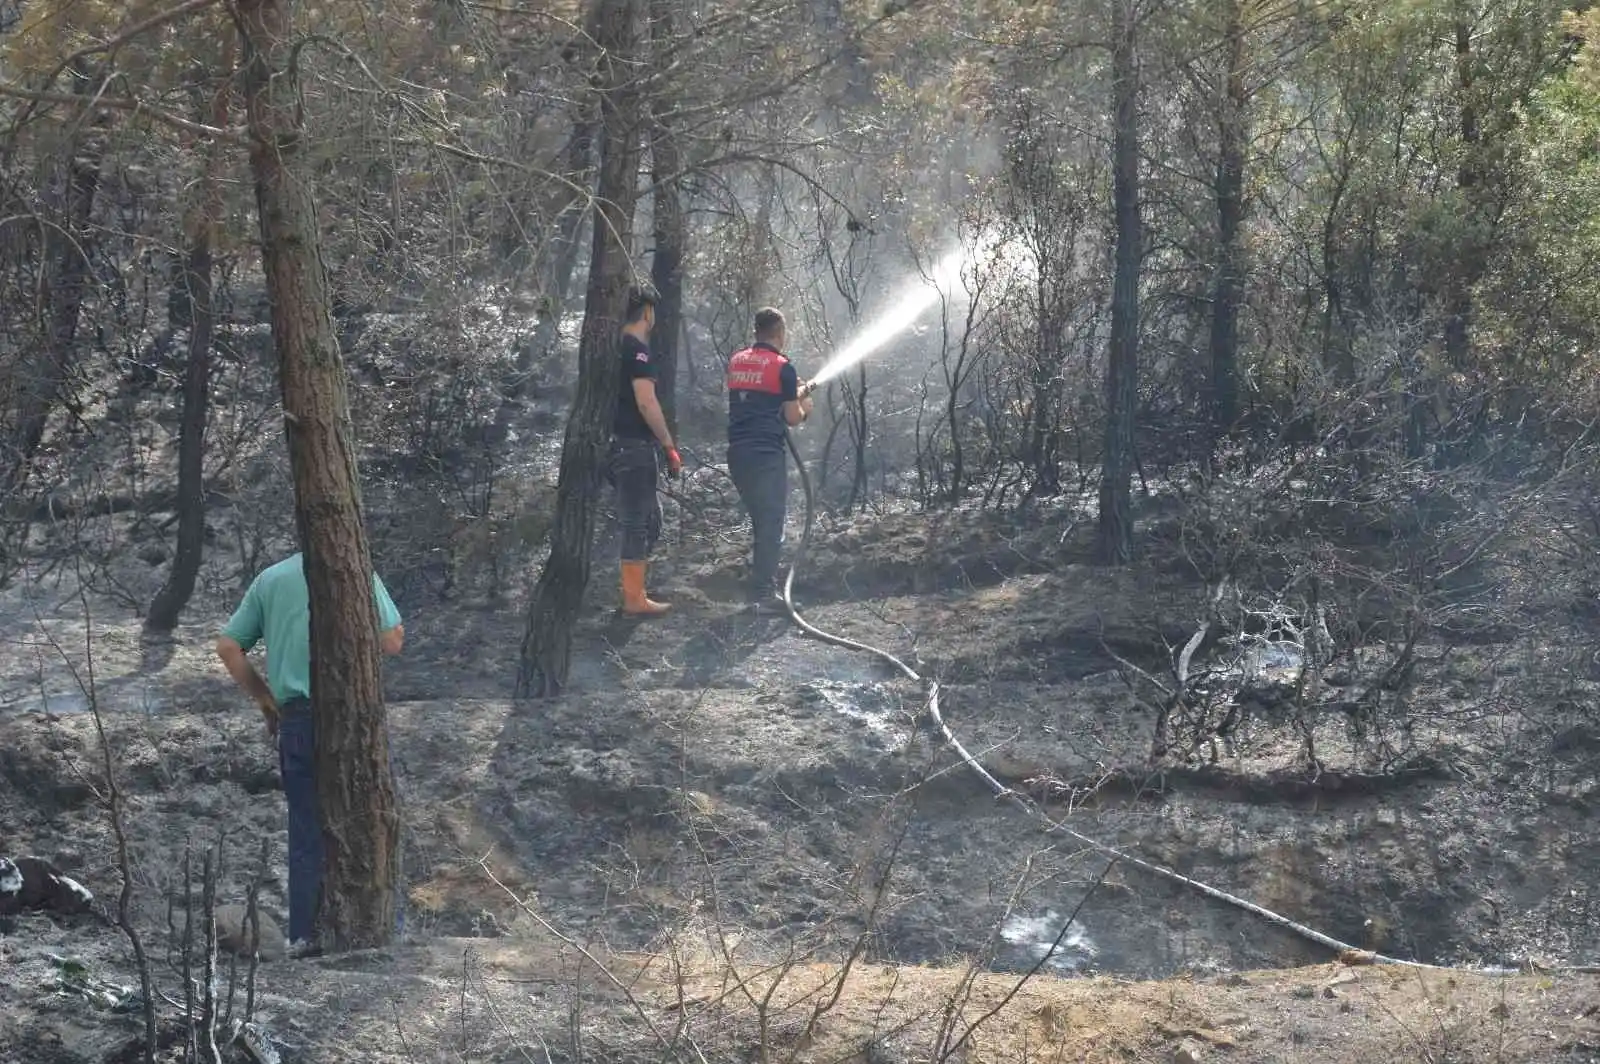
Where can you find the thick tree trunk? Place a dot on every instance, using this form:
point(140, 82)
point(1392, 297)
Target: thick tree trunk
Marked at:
point(671, 234)
point(553, 612)
point(63, 285)
point(355, 786)
point(1115, 532)
point(1227, 287)
point(167, 606)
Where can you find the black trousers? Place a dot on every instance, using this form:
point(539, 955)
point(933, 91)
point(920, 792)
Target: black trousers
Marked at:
point(633, 470)
point(763, 481)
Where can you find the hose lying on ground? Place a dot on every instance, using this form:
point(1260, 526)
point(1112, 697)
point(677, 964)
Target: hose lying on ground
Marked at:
point(1027, 805)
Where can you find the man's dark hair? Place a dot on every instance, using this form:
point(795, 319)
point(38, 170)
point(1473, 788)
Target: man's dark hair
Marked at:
point(638, 299)
point(769, 322)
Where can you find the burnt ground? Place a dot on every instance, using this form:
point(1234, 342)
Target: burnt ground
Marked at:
point(719, 795)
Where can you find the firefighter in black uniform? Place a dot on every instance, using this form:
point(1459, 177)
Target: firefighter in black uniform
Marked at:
point(765, 397)
point(638, 437)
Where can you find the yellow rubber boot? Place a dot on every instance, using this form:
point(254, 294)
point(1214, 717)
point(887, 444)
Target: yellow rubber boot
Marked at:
point(635, 602)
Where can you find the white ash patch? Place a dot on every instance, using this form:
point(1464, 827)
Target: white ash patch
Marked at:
point(1035, 937)
point(78, 890)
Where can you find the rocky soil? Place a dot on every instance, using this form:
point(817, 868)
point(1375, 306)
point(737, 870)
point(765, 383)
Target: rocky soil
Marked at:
point(721, 801)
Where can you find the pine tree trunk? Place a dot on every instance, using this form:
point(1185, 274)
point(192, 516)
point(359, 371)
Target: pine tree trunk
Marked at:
point(1227, 290)
point(1115, 538)
point(547, 640)
point(355, 787)
point(671, 234)
point(167, 606)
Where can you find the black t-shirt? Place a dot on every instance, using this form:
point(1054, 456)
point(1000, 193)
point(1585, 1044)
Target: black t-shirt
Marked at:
point(636, 365)
point(760, 381)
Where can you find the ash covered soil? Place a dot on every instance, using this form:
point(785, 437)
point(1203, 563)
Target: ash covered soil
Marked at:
point(721, 801)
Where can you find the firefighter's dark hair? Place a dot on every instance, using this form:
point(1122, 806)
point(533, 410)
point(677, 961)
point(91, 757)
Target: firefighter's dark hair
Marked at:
point(769, 322)
point(639, 298)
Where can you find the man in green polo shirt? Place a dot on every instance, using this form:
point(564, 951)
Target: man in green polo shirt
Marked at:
point(276, 609)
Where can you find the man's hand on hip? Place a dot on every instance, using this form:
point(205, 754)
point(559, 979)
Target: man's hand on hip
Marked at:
point(270, 714)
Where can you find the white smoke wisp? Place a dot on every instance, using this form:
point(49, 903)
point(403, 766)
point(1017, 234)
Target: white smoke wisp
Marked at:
point(917, 297)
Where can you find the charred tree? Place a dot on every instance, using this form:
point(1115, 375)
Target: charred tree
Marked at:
point(547, 640)
point(559, 264)
point(671, 232)
point(62, 285)
point(355, 786)
point(1115, 532)
point(860, 427)
point(1459, 284)
point(1228, 189)
point(559, 257)
point(198, 298)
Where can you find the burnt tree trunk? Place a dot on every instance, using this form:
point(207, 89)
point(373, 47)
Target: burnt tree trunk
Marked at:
point(1227, 285)
point(860, 430)
point(63, 284)
point(560, 262)
point(671, 234)
point(1115, 531)
point(199, 292)
point(355, 786)
point(1338, 349)
point(1466, 272)
point(547, 640)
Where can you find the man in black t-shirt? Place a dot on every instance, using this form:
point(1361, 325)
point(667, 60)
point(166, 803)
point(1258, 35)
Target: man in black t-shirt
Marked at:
point(638, 430)
point(765, 399)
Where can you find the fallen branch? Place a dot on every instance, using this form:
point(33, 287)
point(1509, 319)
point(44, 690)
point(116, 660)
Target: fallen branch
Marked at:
point(56, 508)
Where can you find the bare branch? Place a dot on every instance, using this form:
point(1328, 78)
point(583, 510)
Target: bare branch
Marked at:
point(134, 107)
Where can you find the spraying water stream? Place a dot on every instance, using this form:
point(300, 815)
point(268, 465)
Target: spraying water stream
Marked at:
point(915, 299)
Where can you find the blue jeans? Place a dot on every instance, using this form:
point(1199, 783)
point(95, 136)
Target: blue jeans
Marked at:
point(763, 481)
point(297, 741)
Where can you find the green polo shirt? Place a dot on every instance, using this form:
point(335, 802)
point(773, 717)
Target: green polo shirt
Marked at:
point(277, 609)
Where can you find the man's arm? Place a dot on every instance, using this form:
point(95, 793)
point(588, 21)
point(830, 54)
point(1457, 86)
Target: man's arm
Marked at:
point(249, 680)
point(797, 398)
point(644, 394)
point(242, 632)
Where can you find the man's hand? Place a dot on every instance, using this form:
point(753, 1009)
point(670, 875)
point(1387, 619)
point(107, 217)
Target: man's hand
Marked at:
point(674, 463)
point(249, 681)
point(269, 712)
point(806, 388)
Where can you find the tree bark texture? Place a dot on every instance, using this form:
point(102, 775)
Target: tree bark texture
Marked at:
point(1228, 283)
point(167, 606)
point(671, 234)
point(355, 786)
point(547, 640)
point(1115, 531)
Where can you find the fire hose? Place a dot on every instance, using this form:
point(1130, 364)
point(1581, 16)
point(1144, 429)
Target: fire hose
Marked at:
point(1053, 825)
